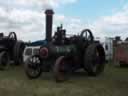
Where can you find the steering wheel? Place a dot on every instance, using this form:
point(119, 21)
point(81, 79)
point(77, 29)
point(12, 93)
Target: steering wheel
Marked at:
point(12, 35)
point(87, 35)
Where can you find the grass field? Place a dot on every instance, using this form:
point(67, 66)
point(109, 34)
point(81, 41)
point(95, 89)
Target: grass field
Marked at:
point(113, 82)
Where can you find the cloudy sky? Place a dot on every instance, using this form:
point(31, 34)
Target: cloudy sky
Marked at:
point(106, 18)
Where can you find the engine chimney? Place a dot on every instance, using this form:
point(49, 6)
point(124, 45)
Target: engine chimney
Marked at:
point(49, 16)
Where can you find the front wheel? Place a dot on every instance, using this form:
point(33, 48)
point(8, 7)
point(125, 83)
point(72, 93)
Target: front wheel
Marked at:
point(4, 60)
point(33, 67)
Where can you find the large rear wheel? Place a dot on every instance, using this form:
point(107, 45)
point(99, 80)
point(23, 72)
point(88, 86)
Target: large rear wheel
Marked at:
point(94, 59)
point(18, 52)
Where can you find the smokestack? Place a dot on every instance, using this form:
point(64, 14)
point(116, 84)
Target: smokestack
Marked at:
point(49, 16)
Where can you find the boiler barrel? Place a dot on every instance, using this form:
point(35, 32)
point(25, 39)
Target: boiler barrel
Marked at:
point(55, 51)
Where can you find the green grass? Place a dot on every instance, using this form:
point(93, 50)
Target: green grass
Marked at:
point(113, 82)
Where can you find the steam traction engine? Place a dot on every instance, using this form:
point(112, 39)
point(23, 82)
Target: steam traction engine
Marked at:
point(66, 54)
point(11, 49)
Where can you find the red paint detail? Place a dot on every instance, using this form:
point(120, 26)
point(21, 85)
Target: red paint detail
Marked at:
point(121, 53)
point(44, 52)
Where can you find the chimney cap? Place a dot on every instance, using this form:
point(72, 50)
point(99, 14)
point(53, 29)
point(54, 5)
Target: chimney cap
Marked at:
point(49, 12)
